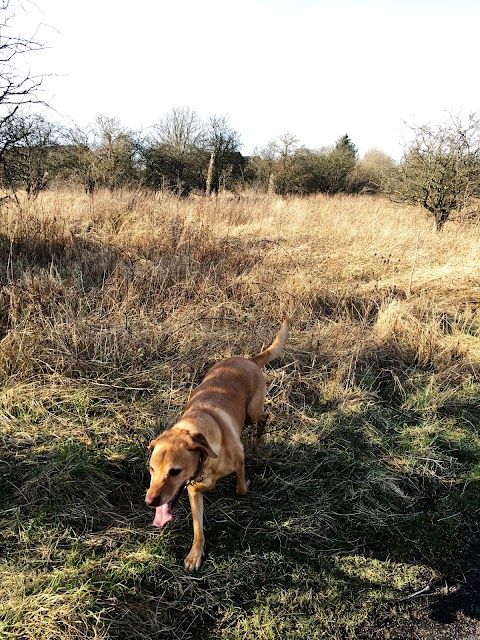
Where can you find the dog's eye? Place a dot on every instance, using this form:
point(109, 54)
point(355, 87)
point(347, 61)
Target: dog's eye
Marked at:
point(150, 468)
point(174, 472)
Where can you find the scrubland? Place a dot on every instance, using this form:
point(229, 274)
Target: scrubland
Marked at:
point(365, 487)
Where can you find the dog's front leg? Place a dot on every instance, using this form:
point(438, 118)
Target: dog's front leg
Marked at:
point(242, 483)
point(195, 557)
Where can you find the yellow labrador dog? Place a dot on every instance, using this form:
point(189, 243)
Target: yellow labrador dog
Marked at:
point(204, 445)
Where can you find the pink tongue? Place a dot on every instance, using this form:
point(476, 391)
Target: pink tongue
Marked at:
point(163, 515)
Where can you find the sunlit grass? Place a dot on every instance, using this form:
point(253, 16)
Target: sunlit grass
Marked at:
point(365, 486)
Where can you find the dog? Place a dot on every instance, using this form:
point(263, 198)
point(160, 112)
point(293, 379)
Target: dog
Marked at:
point(204, 445)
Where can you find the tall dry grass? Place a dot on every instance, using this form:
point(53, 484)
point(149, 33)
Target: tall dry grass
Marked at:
point(112, 294)
point(143, 292)
point(109, 314)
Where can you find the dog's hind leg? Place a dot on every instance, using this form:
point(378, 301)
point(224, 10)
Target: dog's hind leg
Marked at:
point(255, 408)
point(256, 414)
point(261, 424)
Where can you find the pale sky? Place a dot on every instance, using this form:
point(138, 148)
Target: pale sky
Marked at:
point(314, 68)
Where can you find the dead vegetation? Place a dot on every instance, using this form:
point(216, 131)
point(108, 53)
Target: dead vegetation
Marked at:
point(108, 316)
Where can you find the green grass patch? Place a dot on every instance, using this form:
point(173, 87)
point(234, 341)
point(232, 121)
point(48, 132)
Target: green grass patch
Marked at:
point(344, 519)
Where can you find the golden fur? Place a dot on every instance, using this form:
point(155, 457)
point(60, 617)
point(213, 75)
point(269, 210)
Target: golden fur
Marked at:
point(205, 445)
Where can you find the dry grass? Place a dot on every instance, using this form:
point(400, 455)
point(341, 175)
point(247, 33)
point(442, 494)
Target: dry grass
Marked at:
point(108, 316)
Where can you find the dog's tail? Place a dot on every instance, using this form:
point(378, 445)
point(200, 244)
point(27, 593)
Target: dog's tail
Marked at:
point(275, 349)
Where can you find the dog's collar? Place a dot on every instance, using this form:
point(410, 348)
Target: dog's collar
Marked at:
point(199, 473)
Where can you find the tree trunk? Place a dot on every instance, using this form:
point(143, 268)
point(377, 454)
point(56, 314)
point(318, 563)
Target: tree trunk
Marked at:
point(211, 173)
point(271, 183)
point(440, 219)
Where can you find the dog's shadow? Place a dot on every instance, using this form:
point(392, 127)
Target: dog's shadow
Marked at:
point(304, 505)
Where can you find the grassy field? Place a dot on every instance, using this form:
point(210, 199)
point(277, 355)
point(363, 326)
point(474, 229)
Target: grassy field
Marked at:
point(365, 489)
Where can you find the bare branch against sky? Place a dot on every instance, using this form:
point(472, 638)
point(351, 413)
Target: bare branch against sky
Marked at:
point(316, 68)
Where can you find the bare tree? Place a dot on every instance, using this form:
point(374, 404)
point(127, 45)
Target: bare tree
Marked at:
point(221, 141)
point(441, 168)
point(181, 129)
point(285, 147)
point(284, 150)
point(84, 163)
point(17, 88)
point(35, 159)
point(116, 150)
point(173, 155)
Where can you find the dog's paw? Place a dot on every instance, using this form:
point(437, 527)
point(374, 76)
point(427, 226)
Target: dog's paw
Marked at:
point(243, 493)
point(194, 560)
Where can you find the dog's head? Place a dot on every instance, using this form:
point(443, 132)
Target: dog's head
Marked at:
point(174, 461)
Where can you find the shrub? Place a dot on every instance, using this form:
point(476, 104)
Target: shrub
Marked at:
point(441, 168)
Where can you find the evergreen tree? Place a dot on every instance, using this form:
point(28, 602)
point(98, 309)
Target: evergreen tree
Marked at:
point(346, 145)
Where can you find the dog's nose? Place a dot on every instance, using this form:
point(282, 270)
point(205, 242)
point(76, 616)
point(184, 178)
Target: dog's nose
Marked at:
point(152, 501)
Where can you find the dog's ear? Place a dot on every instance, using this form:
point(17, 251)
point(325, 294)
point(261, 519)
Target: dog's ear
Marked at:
point(201, 443)
point(152, 444)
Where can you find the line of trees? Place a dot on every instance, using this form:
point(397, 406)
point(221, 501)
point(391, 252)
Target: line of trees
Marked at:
point(440, 169)
point(285, 167)
point(180, 153)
